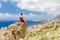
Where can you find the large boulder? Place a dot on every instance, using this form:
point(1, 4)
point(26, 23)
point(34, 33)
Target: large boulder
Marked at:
point(13, 32)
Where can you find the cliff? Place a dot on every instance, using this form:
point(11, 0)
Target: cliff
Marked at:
point(13, 31)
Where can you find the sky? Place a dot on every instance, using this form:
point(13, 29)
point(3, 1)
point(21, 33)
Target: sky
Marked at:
point(32, 9)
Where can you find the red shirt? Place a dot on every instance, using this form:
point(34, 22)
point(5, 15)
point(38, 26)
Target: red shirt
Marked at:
point(21, 19)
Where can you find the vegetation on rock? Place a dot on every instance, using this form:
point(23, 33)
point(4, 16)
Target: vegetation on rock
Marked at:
point(51, 31)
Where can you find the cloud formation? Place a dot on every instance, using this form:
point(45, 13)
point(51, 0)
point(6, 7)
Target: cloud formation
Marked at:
point(49, 6)
point(35, 17)
point(31, 16)
point(8, 16)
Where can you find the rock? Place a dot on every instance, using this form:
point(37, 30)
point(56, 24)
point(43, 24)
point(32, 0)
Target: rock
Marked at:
point(13, 32)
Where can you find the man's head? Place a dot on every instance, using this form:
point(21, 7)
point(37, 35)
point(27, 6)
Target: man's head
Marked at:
point(21, 14)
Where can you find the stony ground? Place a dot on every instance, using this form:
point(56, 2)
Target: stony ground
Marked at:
point(46, 33)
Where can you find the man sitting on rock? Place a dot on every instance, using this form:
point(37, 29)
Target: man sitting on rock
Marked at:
point(21, 18)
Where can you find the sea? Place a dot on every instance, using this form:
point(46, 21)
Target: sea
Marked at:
point(7, 23)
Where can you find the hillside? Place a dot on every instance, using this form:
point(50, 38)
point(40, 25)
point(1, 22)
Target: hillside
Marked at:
point(48, 31)
point(17, 31)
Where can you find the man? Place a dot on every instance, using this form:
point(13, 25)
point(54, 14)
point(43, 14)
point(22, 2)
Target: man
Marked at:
point(21, 18)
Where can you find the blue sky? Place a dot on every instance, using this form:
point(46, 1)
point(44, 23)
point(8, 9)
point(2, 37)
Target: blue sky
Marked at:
point(32, 9)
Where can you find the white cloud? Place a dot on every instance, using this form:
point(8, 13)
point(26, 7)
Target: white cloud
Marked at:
point(30, 16)
point(36, 17)
point(8, 16)
point(49, 6)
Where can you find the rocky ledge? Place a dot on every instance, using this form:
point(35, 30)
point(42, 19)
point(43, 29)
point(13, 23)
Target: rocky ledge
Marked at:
point(13, 31)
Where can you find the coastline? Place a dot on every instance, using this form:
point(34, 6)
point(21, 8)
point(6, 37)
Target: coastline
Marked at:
point(7, 23)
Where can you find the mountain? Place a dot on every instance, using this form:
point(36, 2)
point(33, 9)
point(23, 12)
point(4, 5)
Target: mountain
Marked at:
point(58, 17)
point(43, 21)
point(30, 22)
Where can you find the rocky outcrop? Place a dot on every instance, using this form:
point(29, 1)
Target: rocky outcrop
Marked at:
point(13, 31)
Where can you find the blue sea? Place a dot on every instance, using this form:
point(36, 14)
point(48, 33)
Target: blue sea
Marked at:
point(7, 23)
